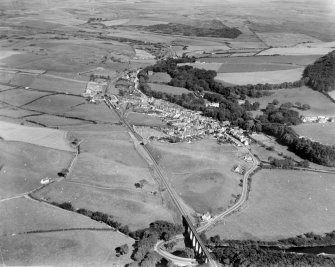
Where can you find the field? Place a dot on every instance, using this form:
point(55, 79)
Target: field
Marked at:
point(54, 121)
point(20, 97)
point(301, 49)
point(168, 89)
point(106, 170)
point(201, 172)
point(34, 135)
point(52, 246)
point(332, 94)
point(271, 77)
point(320, 104)
point(140, 119)
point(55, 103)
point(285, 39)
point(321, 132)
point(252, 67)
point(159, 77)
point(61, 85)
point(290, 60)
point(11, 112)
point(202, 65)
point(24, 165)
point(283, 204)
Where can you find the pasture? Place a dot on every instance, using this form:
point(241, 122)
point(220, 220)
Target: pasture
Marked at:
point(252, 67)
point(332, 94)
point(271, 77)
point(70, 248)
point(12, 112)
point(55, 103)
point(276, 39)
point(58, 84)
point(320, 132)
point(320, 104)
point(159, 77)
point(141, 119)
point(168, 89)
point(202, 65)
point(290, 60)
point(54, 121)
point(282, 204)
point(44, 137)
point(106, 170)
point(24, 165)
point(201, 172)
point(20, 97)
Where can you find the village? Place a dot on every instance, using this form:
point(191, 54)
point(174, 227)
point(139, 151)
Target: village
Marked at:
point(181, 125)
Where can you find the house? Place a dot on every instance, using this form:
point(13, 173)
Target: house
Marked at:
point(206, 217)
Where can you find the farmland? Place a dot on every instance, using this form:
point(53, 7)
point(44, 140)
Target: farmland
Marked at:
point(323, 133)
point(320, 104)
point(201, 172)
point(282, 204)
point(140, 119)
point(271, 77)
point(24, 165)
point(52, 246)
point(168, 89)
point(37, 136)
point(107, 169)
point(20, 97)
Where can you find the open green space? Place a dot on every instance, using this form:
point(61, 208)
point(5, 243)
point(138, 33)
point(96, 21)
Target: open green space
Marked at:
point(24, 165)
point(168, 89)
point(321, 132)
point(201, 172)
point(282, 204)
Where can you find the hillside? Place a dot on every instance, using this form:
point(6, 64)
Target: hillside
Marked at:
point(220, 31)
point(321, 74)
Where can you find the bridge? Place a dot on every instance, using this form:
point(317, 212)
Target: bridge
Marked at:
point(191, 234)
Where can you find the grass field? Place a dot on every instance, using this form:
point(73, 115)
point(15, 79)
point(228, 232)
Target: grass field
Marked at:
point(59, 85)
point(320, 104)
point(283, 204)
point(250, 67)
point(285, 39)
point(55, 103)
point(332, 94)
point(95, 112)
point(202, 65)
point(19, 97)
point(201, 172)
point(321, 132)
point(140, 119)
point(70, 248)
point(168, 89)
point(54, 121)
point(34, 135)
point(290, 60)
point(104, 178)
point(271, 77)
point(23, 79)
point(159, 77)
point(12, 112)
point(24, 165)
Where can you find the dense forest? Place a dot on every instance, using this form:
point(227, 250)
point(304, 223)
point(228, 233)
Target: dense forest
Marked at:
point(321, 74)
point(274, 121)
point(188, 30)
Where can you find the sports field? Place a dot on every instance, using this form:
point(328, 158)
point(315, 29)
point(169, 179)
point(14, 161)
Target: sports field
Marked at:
point(201, 172)
point(282, 204)
point(141, 119)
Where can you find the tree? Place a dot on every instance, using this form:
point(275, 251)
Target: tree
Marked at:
point(306, 106)
point(298, 104)
point(275, 102)
point(122, 250)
